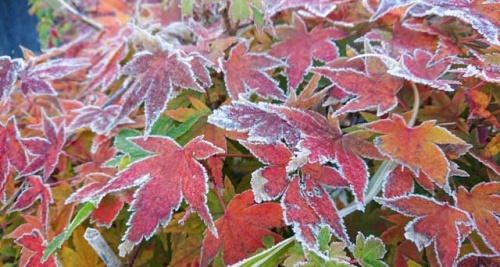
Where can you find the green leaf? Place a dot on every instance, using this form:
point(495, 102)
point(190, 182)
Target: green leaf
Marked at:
point(56, 243)
point(127, 147)
point(269, 257)
point(239, 10)
point(187, 7)
point(177, 131)
point(368, 251)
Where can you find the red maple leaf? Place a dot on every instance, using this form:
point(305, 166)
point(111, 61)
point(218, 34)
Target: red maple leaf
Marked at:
point(482, 203)
point(481, 14)
point(158, 78)
point(33, 246)
point(246, 72)
point(35, 79)
point(295, 38)
point(323, 141)
point(416, 147)
point(242, 229)
point(257, 119)
point(45, 150)
point(8, 76)
point(36, 190)
point(162, 186)
point(12, 152)
point(411, 69)
point(400, 182)
point(435, 222)
point(272, 181)
point(373, 88)
point(96, 118)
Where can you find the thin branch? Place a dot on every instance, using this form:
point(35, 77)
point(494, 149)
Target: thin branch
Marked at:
point(98, 26)
point(416, 104)
point(97, 242)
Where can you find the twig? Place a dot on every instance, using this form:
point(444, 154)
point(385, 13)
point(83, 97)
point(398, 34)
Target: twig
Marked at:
point(98, 26)
point(97, 242)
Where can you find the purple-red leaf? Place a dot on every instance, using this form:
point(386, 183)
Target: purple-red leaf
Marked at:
point(12, 152)
point(34, 245)
point(435, 222)
point(164, 179)
point(8, 76)
point(295, 38)
point(96, 118)
point(246, 72)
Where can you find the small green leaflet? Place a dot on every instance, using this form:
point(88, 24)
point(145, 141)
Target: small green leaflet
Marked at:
point(369, 251)
point(81, 216)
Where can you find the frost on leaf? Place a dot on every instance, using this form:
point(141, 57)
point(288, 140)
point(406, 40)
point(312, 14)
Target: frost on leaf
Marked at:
point(247, 72)
point(481, 14)
point(46, 150)
point(33, 245)
point(483, 204)
point(400, 182)
point(435, 222)
point(387, 5)
point(320, 8)
point(158, 78)
point(96, 118)
point(373, 88)
point(369, 251)
point(416, 147)
point(241, 229)
point(295, 38)
point(421, 68)
point(164, 179)
point(12, 151)
point(8, 76)
point(36, 79)
point(35, 190)
point(260, 122)
point(324, 142)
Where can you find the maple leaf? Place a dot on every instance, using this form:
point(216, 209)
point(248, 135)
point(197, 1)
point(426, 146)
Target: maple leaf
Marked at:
point(484, 66)
point(387, 5)
point(12, 152)
point(272, 181)
point(257, 119)
point(36, 190)
point(162, 186)
point(373, 88)
point(33, 244)
point(8, 77)
point(96, 118)
point(416, 147)
point(45, 150)
point(411, 69)
point(481, 14)
point(444, 109)
point(35, 79)
point(482, 203)
point(400, 182)
point(246, 72)
point(242, 229)
point(435, 222)
point(323, 141)
point(157, 76)
point(295, 38)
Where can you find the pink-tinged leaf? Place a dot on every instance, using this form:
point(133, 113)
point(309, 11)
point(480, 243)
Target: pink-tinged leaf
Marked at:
point(45, 150)
point(103, 154)
point(96, 118)
point(158, 78)
point(374, 88)
point(435, 222)
point(107, 210)
point(294, 38)
point(162, 186)
point(474, 259)
point(12, 151)
point(8, 76)
point(33, 244)
point(36, 190)
point(400, 182)
point(320, 8)
point(247, 72)
point(483, 66)
point(412, 70)
point(36, 79)
point(326, 143)
point(483, 204)
point(107, 69)
point(481, 14)
point(200, 66)
point(260, 122)
point(242, 229)
point(387, 5)
point(268, 183)
point(416, 147)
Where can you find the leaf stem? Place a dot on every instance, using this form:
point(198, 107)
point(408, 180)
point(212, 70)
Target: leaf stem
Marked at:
point(230, 155)
point(416, 104)
point(96, 25)
point(97, 242)
point(221, 201)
